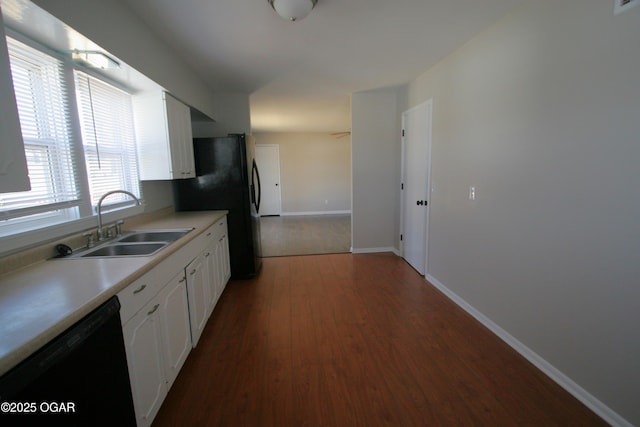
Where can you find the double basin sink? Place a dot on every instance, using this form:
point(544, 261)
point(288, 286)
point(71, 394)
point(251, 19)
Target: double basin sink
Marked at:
point(134, 243)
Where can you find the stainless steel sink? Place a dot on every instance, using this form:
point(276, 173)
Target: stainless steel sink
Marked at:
point(125, 249)
point(134, 243)
point(154, 235)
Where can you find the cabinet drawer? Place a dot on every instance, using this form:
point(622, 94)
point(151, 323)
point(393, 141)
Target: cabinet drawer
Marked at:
point(221, 226)
point(137, 294)
point(211, 233)
point(219, 229)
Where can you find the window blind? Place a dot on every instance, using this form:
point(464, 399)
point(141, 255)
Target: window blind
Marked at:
point(106, 120)
point(41, 97)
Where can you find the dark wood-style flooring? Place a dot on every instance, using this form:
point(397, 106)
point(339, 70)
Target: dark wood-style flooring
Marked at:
point(356, 340)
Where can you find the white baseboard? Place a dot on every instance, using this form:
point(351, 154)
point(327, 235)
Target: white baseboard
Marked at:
point(315, 213)
point(548, 369)
point(374, 250)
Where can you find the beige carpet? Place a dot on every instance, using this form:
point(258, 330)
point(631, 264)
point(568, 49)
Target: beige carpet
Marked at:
point(305, 235)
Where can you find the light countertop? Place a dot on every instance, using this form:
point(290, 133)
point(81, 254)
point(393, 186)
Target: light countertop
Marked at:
point(40, 301)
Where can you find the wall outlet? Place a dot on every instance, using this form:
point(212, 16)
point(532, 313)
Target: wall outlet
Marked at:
point(620, 6)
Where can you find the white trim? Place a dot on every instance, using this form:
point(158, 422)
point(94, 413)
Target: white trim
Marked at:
point(316, 213)
point(375, 250)
point(547, 368)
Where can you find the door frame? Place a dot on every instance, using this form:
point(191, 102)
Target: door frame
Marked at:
point(429, 106)
point(277, 148)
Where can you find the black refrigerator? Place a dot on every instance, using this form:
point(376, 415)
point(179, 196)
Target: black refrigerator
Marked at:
point(227, 177)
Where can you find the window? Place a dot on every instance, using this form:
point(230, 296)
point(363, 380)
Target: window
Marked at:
point(106, 120)
point(41, 95)
point(64, 187)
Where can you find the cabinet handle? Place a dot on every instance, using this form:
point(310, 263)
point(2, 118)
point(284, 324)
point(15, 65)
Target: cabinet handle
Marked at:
point(182, 280)
point(208, 234)
point(192, 272)
point(208, 253)
point(140, 289)
point(155, 308)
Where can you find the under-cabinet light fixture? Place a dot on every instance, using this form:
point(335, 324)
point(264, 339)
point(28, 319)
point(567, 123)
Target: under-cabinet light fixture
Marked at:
point(94, 59)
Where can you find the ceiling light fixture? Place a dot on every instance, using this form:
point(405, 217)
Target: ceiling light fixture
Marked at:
point(293, 10)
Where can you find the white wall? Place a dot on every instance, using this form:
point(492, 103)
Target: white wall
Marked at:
point(541, 113)
point(314, 167)
point(375, 170)
point(232, 116)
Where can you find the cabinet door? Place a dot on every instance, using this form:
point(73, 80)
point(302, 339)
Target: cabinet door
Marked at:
point(220, 266)
point(180, 138)
point(176, 331)
point(143, 344)
point(212, 275)
point(199, 295)
point(13, 164)
point(226, 262)
point(163, 136)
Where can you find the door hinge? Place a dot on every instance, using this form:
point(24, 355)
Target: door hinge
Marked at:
point(402, 186)
point(401, 237)
point(402, 132)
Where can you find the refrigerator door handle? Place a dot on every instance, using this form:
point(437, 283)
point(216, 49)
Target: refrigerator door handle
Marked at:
point(257, 175)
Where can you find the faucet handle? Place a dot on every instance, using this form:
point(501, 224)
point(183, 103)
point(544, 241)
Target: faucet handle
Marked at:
point(111, 231)
point(91, 242)
point(119, 227)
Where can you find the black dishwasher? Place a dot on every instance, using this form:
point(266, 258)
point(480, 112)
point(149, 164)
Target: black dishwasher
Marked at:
point(78, 379)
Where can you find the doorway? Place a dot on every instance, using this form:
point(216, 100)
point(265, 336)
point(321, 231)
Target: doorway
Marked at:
point(416, 176)
point(315, 191)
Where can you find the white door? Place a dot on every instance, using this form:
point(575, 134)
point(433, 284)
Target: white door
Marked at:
point(416, 165)
point(268, 160)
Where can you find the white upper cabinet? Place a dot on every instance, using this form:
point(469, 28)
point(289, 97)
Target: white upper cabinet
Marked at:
point(164, 137)
point(14, 175)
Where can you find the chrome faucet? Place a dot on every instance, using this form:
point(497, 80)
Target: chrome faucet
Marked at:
point(99, 207)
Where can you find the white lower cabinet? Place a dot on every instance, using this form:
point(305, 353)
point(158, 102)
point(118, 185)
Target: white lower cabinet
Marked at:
point(211, 261)
point(162, 321)
point(216, 270)
point(199, 296)
point(143, 344)
point(220, 267)
point(176, 329)
point(157, 342)
point(225, 263)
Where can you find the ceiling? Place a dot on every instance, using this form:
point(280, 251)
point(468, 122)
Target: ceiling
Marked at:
point(300, 75)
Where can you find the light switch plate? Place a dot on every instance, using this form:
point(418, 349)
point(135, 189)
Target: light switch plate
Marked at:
point(620, 6)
